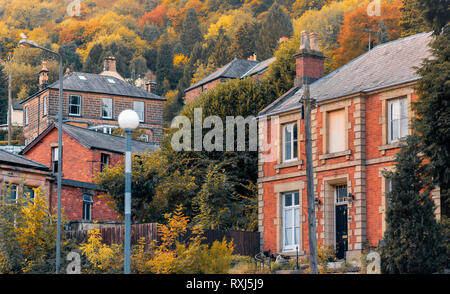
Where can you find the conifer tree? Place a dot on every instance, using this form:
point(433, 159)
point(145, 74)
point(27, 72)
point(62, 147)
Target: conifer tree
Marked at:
point(436, 13)
point(433, 114)
point(244, 41)
point(190, 31)
point(411, 20)
point(276, 24)
point(94, 62)
point(413, 238)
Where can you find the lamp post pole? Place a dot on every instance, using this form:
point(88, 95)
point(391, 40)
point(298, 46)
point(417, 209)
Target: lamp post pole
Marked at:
point(128, 121)
point(128, 133)
point(30, 44)
point(9, 99)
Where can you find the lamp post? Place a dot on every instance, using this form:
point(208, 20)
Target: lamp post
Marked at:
point(128, 121)
point(30, 44)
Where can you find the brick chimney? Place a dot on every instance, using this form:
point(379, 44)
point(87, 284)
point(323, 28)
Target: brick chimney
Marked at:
point(109, 64)
point(151, 84)
point(43, 76)
point(309, 59)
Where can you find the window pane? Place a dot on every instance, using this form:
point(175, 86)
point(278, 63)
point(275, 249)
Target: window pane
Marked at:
point(288, 200)
point(297, 235)
point(394, 119)
point(107, 108)
point(287, 151)
point(296, 198)
point(288, 236)
point(139, 108)
point(297, 217)
point(404, 118)
point(336, 131)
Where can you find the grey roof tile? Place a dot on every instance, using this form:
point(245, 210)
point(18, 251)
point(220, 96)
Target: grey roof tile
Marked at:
point(385, 65)
point(97, 140)
point(14, 159)
point(260, 67)
point(232, 70)
point(102, 84)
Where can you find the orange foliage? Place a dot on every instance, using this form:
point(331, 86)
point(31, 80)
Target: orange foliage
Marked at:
point(156, 17)
point(354, 35)
point(81, 32)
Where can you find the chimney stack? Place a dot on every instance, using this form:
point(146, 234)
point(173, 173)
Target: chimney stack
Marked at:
point(43, 76)
point(252, 57)
point(109, 64)
point(309, 59)
point(67, 72)
point(151, 84)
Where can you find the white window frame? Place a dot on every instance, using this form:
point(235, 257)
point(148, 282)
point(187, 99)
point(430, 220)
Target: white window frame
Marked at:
point(55, 158)
point(295, 210)
point(141, 114)
point(102, 163)
point(26, 116)
point(87, 214)
point(44, 106)
point(77, 105)
point(291, 142)
point(112, 107)
point(401, 121)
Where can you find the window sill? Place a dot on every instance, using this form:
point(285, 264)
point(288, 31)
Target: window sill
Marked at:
point(335, 154)
point(392, 145)
point(298, 163)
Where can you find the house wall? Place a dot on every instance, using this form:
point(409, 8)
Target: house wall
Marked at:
point(91, 113)
point(196, 92)
point(79, 162)
point(103, 207)
point(360, 167)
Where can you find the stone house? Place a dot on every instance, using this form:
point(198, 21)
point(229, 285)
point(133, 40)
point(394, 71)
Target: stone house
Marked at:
point(92, 101)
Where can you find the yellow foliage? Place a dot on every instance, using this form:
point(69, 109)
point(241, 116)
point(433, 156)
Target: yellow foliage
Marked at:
point(180, 60)
point(101, 256)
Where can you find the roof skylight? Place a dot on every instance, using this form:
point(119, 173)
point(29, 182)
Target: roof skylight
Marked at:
point(82, 78)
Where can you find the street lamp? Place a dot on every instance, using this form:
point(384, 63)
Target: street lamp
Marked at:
point(30, 44)
point(128, 121)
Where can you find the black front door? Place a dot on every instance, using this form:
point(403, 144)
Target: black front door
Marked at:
point(341, 231)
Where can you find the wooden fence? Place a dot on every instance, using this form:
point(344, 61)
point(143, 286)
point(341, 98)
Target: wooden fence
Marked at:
point(245, 243)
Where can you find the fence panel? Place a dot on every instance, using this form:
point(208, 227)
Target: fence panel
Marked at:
point(245, 243)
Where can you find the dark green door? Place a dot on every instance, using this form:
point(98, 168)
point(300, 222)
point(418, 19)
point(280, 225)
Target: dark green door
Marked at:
point(341, 231)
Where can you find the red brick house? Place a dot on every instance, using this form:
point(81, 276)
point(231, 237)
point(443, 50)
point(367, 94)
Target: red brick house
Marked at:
point(236, 69)
point(363, 111)
point(85, 153)
point(92, 101)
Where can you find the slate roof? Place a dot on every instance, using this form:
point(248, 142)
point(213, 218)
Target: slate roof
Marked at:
point(102, 84)
point(96, 140)
point(79, 184)
point(17, 105)
point(386, 65)
point(232, 70)
point(260, 67)
point(14, 159)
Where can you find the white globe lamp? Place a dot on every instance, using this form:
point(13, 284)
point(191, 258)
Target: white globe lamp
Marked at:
point(128, 119)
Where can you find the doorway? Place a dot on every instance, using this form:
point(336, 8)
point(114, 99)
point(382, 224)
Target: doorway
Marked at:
point(341, 221)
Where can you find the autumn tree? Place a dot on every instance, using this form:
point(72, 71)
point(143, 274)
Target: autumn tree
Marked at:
point(358, 27)
point(94, 62)
point(156, 17)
